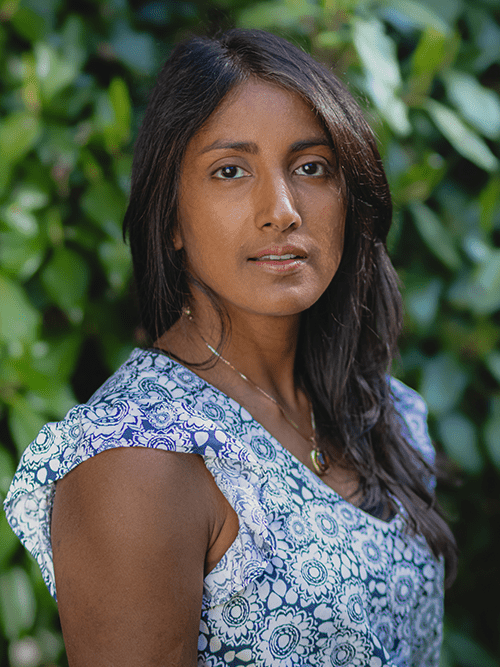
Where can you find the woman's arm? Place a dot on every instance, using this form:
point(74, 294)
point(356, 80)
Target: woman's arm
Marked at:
point(130, 532)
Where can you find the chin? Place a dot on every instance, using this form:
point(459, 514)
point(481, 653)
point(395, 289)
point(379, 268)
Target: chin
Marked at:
point(288, 308)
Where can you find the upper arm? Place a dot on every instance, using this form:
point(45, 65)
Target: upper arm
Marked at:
point(130, 531)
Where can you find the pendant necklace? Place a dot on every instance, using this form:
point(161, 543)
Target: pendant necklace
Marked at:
point(319, 459)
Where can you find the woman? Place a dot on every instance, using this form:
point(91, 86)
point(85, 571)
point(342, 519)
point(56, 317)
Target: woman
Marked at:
point(253, 489)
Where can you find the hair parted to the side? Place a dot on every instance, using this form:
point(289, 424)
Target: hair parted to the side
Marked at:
point(348, 338)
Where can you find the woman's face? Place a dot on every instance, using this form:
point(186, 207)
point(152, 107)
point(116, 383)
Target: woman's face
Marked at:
point(260, 214)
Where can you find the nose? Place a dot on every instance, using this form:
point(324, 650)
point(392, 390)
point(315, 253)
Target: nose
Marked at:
point(276, 205)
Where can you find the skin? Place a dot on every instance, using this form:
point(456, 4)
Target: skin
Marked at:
point(130, 559)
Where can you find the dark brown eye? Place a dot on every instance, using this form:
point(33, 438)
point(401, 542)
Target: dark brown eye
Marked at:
point(229, 172)
point(312, 169)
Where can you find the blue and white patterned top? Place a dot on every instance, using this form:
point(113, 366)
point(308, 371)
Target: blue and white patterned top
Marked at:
point(310, 579)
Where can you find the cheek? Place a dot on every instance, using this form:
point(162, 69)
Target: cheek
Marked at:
point(333, 244)
point(209, 247)
point(225, 209)
point(333, 233)
point(191, 227)
point(216, 230)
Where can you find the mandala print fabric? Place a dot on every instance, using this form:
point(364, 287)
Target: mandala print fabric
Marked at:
point(310, 579)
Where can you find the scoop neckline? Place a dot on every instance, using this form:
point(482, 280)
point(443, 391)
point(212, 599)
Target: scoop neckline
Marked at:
point(291, 459)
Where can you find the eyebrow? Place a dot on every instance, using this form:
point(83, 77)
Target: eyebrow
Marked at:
point(252, 148)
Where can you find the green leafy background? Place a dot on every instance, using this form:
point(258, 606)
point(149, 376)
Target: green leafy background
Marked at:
point(74, 76)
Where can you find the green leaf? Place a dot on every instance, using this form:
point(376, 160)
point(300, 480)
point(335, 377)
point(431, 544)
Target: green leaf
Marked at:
point(60, 148)
point(9, 542)
point(116, 352)
point(75, 41)
point(122, 168)
point(44, 371)
point(17, 602)
point(448, 10)
point(487, 43)
point(25, 652)
point(8, 8)
point(488, 273)
point(434, 53)
point(431, 52)
point(19, 213)
point(291, 15)
point(463, 139)
point(422, 301)
point(54, 72)
point(5, 173)
point(48, 392)
point(480, 106)
point(106, 205)
point(443, 382)
point(120, 102)
point(24, 422)
point(30, 197)
point(337, 6)
point(57, 357)
point(459, 437)
point(480, 289)
point(29, 24)
point(50, 642)
point(377, 52)
point(417, 181)
point(54, 398)
point(493, 364)
point(489, 201)
point(467, 292)
point(391, 107)
point(7, 470)
point(330, 39)
point(476, 248)
point(445, 658)
point(20, 219)
point(19, 321)
point(419, 14)
point(135, 49)
point(468, 652)
point(20, 256)
point(19, 133)
point(19, 372)
point(113, 115)
point(473, 339)
point(117, 261)
point(492, 426)
point(437, 237)
point(66, 278)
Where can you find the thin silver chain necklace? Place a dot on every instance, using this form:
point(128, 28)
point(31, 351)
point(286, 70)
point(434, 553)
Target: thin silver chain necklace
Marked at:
point(319, 459)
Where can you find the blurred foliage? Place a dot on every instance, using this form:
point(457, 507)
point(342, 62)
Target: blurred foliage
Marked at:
point(74, 77)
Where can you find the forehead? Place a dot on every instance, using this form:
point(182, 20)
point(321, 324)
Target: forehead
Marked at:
point(257, 108)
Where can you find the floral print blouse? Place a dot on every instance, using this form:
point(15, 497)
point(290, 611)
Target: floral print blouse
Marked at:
point(310, 579)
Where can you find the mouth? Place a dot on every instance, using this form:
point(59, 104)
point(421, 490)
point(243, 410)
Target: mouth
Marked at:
point(276, 258)
point(283, 254)
point(281, 260)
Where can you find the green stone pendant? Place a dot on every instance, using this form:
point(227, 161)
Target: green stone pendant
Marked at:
point(319, 461)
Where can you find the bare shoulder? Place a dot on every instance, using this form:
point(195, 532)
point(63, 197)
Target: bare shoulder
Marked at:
point(132, 479)
point(131, 529)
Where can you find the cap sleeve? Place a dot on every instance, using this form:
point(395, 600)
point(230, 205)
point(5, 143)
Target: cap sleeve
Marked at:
point(154, 417)
point(412, 411)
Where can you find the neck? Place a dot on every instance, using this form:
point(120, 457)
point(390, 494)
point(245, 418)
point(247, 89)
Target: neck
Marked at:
point(262, 348)
point(260, 354)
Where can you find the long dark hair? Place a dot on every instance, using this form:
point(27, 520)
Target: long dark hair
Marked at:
point(348, 338)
